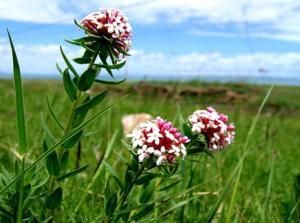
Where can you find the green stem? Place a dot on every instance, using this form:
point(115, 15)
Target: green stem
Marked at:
point(126, 193)
point(21, 194)
point(72, 113)
point(70, 120)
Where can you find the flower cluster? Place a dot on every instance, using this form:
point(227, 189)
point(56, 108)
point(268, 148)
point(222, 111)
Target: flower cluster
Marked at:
point(214, 126)
point(111, 23)
point(158, 139)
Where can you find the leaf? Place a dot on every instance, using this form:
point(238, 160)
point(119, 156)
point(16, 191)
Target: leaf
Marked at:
point(146, 178)
point(64, 160)
point(113, 173)
point(134, 165)
point(70, 66)
point(21, 128)
point(187, 130)
point(54, 147)
point(92, 102)
point(52, 114)
point(78, 42)
point(103, 57)
point(144, 212)
point(72, 141)
point(49, 137)
point(112, 66)
point(59, 69)
point(147, 192)
point(170, 185)
point(87, 78)
point(52, 164)
point(72, 173)
point(82, 60)
point(111, 205)
point(54, 200)
point(69, 86)
point(110, 82)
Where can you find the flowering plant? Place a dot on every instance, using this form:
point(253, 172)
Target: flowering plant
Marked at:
point(156, 147)
point(106, 42)
point(158, 140)
point(213, 126)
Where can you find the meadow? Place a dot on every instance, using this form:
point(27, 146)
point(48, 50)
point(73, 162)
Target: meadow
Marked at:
point(253, 180)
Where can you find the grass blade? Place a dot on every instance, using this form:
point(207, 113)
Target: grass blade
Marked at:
point(238, 168)
point(68, 136)
point(19, 100)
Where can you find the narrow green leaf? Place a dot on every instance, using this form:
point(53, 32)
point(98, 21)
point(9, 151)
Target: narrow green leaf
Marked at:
point(92, 103)
point(72, 141)
point(87, 78)
point(147, 193)
point(82, 60)
point(72, 173)
point(70, 66)
point(113, 173)
point(64, 160)
point(103, 57)
point(110, 82)
point(79, 41)
point(22, 139)
point(69, 86)
point(143, 213)
point(60, 71)
point(170, 185)
point(52, 164)
point(48, 134)
point(145, 179)
point(111, 66)
point(52, 114)
point(54, 200)
point(54, 147)
point(111, 205)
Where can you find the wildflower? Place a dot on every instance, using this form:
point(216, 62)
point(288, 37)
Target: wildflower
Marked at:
point(112, 24)
point(158, 139)
point(214, 126)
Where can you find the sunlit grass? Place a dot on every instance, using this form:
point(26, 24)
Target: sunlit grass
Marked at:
point(265, 181)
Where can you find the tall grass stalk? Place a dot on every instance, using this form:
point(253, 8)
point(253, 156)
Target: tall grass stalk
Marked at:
point(21, 128)
point(245, 150)
point(237, 170)
point(68, 136)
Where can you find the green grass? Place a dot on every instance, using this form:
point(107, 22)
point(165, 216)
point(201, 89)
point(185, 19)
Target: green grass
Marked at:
point(266, 178)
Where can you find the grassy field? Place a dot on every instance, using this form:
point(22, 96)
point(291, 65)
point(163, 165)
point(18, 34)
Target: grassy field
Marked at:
point(252, 183)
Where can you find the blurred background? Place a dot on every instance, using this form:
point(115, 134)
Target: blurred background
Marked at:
point(253, 41)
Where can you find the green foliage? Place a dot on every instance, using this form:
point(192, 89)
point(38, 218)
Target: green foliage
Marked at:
point(21, 128)
point(52, 164)
point(54, 199)
point(87, 105)
point(69, 86)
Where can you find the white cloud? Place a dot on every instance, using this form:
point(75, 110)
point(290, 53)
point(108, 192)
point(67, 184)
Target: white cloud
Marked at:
point(259, 64)
point(36, 59)
point(278, 17)
point(40, 60)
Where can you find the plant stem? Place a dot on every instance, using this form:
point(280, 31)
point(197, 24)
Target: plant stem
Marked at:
point(126, 193)
point(72, 113)
point(21, 193)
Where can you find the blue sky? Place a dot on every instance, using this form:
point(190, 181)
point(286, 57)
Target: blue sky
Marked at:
point(171, 38)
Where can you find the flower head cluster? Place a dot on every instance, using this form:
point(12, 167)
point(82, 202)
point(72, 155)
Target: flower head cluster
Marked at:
point(158, 139)
point(111, 23)
point(214, 126)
